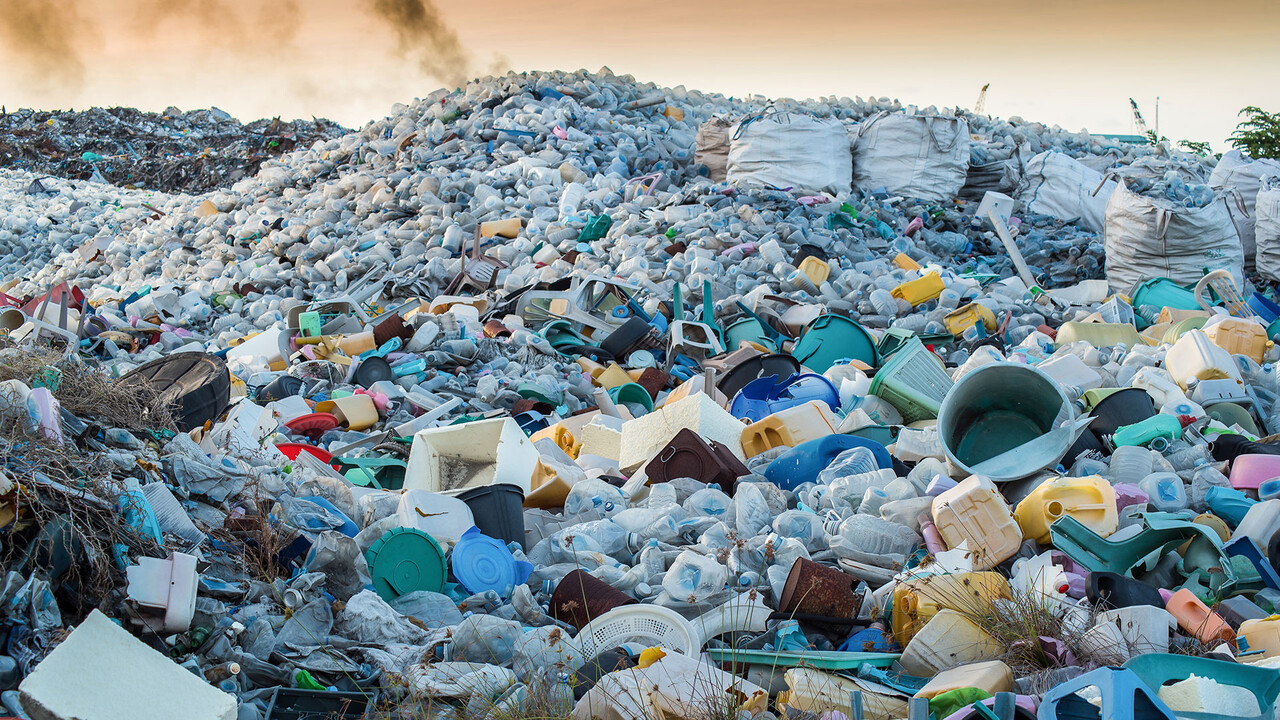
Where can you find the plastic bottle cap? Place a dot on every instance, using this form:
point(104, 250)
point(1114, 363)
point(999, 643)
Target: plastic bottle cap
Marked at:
point(482, 563)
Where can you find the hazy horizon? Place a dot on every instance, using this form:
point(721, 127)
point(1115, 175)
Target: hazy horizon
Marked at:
point(1075, 66)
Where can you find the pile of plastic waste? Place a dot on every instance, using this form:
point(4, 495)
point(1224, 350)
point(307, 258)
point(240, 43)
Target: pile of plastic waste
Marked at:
point(562, 395)
point(174, 151)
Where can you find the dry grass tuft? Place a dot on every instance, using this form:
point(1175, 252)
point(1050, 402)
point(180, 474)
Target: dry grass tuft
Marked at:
point(85, 391)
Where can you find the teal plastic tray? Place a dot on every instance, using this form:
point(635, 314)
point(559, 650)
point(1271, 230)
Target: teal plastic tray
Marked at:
point(829, 660)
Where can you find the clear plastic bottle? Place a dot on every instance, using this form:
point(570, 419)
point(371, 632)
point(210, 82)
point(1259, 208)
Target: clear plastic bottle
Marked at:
point(694, 578)
point(1205, 476)
point(1130, 464)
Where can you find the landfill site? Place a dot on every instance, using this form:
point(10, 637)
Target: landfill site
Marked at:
point(565, 395)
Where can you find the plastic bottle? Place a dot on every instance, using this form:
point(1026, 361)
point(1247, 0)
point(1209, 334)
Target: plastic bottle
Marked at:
point(1130, 464)
point(694, 578)
point(1206, 476)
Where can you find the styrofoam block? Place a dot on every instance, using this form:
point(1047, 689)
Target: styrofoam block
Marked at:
point(643, 437)
point(101, 672)
point(1201, 694)
point(602, 437)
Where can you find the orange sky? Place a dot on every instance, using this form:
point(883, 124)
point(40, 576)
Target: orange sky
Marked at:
point(1071, 63)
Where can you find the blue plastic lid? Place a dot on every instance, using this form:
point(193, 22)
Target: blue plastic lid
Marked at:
point(482, 563)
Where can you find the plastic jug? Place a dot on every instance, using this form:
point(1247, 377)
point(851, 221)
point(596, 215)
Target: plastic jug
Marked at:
point(789, 427)
point(918, 599)
point(975, 513)
point(992, 676)
point(1196, 619)
point(965, 317)
point(1261, 635)
point(1145, 628)
point(947, 640)
point(1165, 491)
point(1194, 356)
point(1091, 500)
point(1248, 472)
point(1239, 337)
point(1156, 431)
point(921, 290)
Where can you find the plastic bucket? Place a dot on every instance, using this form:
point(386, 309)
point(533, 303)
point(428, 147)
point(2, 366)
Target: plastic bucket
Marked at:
point(1162, 293)
point(1121, 408)
point(11, 319)
point(914, 381)
point(833, 337)
point(1007, 421)
point(498, 510)
point(1267, 310)
point(280, 388)
point(579, 598)
point(783, 366)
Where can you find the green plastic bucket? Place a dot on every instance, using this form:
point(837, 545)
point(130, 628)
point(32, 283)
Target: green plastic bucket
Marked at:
point(914, 381)
point(833, 337)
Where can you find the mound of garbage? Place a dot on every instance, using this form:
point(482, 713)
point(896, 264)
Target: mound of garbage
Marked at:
point(564, 395)
point(174, 151)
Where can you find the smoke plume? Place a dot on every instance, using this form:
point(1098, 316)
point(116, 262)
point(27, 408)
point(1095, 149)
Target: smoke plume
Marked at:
point(48, 37)
point(423, 36)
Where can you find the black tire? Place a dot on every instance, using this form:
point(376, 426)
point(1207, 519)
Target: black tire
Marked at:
point(196, 386)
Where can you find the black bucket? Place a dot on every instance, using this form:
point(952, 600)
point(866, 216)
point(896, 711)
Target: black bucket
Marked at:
point(498, 510)
point(280, 388)
point(784, 366)
point(1120, 408)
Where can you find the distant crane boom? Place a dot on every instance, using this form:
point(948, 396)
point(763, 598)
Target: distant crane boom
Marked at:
point(1137, 117)
point(979, 106)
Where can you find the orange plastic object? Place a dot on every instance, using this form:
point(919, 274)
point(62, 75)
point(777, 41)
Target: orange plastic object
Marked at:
point(1197, 620)
point(917, 599)
point(1239, 337)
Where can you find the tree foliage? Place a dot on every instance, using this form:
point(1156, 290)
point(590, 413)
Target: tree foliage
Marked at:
point(1258, 135)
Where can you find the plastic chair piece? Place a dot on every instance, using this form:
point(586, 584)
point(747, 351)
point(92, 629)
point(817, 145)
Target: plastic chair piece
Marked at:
point(1161, 533)
point(1124, 697)
point(1158, 669)
point(1245, 547)
point(744, 613)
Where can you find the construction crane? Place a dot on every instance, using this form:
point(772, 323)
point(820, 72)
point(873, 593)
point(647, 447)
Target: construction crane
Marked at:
point(982, 100)
point(1137, 118)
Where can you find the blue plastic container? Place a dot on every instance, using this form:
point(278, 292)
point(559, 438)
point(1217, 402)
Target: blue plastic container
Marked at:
point(802, 463)
point(1228, 504)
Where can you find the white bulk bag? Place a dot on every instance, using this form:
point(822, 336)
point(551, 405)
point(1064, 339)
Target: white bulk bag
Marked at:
point(790, 150)
point(1237, 172)
point(712, 147)
point(1147, 238)
point(1266, 223)
point(1058, 185)
point(919, 156)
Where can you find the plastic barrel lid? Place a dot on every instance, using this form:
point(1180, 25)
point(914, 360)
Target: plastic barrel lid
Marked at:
point(404, 560)
point(482, 563)
point(373, 369)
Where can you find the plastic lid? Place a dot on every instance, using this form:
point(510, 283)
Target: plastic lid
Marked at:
point(404, 560)
point(373, 369)
point(482, 563)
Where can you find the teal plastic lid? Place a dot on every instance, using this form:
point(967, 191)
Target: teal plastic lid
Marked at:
point(405, 560)
point(483, 563)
